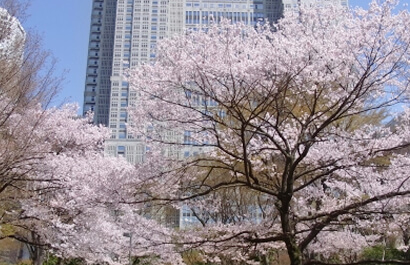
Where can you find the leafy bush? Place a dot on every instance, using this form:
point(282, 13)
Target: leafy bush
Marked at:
point(377, 252)
point(54, 260)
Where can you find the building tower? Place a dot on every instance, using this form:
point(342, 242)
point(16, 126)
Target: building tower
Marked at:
point(124, 34)
point(99, 64)
point(12, 36)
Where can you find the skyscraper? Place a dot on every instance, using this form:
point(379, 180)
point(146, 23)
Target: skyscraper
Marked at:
point(12, 36)
point(124, 34)
point(99, 64)
point(12, 45)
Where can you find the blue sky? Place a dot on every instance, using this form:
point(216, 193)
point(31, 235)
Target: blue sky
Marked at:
point(64, 26)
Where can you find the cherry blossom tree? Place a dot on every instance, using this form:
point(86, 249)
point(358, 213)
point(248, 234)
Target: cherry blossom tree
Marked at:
point(27, 79)
point(70, 194)
point(81, 213)
point(28, 138)
point(264, 116)
point(256, 134)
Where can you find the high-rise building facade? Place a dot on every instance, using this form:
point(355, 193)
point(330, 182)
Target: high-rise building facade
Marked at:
point(99, 65)
point(12, 36)
point(124, 34)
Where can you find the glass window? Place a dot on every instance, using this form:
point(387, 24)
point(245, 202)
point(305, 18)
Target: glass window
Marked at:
point(187, 137)
point(121, 135)
point(121, 149)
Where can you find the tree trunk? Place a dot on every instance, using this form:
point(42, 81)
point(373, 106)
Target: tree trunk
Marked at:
point(295, 255)
point(36, 252)
point(294, 252)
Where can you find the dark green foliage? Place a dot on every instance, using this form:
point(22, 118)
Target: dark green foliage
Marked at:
point(54, 260)
point(377, 252)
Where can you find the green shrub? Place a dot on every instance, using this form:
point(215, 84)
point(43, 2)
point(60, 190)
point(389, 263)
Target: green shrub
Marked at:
point(54, 260)
point(376, 253)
